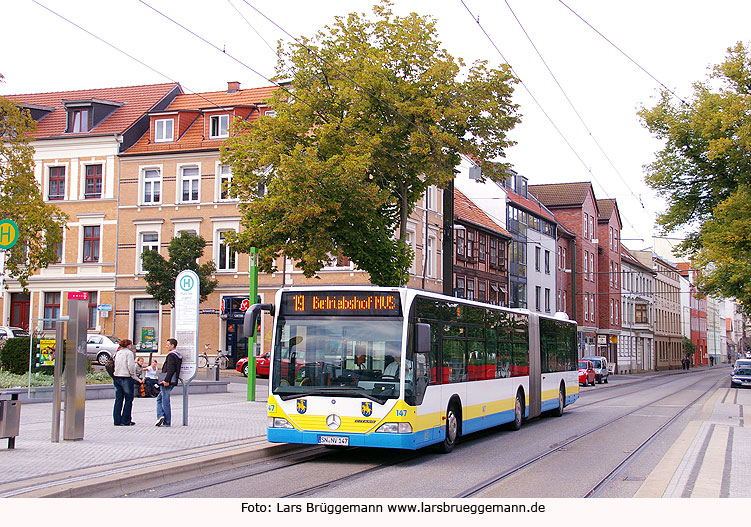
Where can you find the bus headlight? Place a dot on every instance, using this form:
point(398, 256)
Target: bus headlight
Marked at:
point(279, 422)
point(395, 428)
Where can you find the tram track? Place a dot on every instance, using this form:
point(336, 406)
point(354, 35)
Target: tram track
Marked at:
point(602, 484)
point(315, 454)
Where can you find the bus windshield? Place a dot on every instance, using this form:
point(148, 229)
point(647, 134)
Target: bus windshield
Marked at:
point(337, 356)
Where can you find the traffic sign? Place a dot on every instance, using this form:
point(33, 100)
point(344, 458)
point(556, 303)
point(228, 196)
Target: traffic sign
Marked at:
point(8, 233)
point(245, 304)
point(104, 307)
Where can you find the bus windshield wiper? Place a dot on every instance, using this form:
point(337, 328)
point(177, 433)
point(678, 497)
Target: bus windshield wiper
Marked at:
point(334, 392)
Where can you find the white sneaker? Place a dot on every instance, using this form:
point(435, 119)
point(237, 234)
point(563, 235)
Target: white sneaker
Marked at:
point(160, 421)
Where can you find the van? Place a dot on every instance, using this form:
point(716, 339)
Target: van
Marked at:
point(601, 368)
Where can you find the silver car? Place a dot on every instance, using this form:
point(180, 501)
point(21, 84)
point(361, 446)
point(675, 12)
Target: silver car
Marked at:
point(601, 368)
point(741, 375)
point(99, 348)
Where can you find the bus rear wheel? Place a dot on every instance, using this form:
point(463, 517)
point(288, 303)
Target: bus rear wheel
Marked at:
point(516, 424)
point(452, 431)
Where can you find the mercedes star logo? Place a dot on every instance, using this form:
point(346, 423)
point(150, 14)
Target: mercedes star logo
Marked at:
point(333, 422)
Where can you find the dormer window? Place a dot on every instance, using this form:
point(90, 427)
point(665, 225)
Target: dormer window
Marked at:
point(164, 130)
point(79, 121)
point(219, 126)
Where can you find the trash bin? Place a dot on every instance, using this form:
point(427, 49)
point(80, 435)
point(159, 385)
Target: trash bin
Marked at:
point(10, 420)
point(212, 373)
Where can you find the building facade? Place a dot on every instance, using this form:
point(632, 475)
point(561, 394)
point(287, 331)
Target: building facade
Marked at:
point(608, 278)
point(79, 137)
point(636, 341)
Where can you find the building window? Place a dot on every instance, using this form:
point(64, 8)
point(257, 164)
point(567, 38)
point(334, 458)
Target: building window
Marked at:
point(547, 300)
point(190, 180)
point(146, 324)
point(641, 314)
point(152, 186)
point(537, 258)
point(56, 183)
point(592, 307)
point(431, 198)
point(459, 289)
point(93, 301)
point(430, 271)
point(79, 121)
point(586, 265)
point(149, 242)
point(470, 289)
point(592, 266)
point(591, 227)
point(586, 307)
point(538, 292)
point(91, 244)
point(460, 242)
point(93, 182)
point(586, 226)
point(547, 262)
point(164, 130)
point(51, 309)
point(471, 244)
point(481, 243)
point(59, 246)
point(481, 289)
point(225, 178)
point(219, 126)
point(493, 252)
point(226, 257)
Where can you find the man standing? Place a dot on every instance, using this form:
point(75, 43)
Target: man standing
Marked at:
point(168, 380)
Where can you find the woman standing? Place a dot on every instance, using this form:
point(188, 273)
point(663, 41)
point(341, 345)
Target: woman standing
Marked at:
point(125, 376)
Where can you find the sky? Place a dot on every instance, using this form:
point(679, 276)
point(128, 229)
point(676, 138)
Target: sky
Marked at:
point(578, 94)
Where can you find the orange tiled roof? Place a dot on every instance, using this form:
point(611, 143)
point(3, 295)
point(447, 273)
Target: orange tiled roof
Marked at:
point(464, 209)
point(193, 138)
point(135, 100)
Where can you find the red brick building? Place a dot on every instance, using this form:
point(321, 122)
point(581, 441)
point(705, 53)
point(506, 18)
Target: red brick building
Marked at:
point(608, 279)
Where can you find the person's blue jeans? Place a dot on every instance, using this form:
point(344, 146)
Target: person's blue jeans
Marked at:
point(163, 404)
point(121, 413)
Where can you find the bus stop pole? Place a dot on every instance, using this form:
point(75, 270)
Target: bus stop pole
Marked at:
point(253, 272)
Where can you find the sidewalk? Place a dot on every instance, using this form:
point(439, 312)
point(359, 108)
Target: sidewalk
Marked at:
point(218, 422)
point(224, 429)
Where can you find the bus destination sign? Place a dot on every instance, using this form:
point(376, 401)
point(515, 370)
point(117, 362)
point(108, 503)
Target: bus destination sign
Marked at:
point(379, 304)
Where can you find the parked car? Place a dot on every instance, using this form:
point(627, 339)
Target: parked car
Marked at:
point(262, 365)
point(741, 375)
point(9, 332)
point(586, 373)
point(601, 368)
point(99, 348)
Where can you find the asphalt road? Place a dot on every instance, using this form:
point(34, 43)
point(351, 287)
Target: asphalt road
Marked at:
point(580, 449)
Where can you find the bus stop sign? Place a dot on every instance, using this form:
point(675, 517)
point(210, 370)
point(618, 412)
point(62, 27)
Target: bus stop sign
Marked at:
point(8, 233)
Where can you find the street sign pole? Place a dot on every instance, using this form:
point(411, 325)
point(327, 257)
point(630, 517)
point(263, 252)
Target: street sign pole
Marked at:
point(252, 340)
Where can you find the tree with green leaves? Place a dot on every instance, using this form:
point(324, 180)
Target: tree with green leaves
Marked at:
point(184, 252)
point(40, 224)
point(704, 173)
point(375, 112)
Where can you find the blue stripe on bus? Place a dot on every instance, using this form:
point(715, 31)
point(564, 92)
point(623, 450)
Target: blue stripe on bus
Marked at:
point(406, 441)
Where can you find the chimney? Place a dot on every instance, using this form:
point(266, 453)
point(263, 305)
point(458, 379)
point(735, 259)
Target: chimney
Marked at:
point(233, 87)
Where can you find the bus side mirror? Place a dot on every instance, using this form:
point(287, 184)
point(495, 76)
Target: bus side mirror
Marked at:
point(250, 321)
point(422, 338)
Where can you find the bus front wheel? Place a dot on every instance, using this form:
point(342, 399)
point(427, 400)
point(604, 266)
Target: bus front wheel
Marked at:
point(452, 430)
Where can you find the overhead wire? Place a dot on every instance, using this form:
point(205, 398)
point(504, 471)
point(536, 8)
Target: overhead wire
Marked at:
point(624, 53)
point(570, 102)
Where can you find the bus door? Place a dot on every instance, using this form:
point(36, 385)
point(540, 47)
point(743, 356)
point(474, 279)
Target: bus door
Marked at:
point(535, 368)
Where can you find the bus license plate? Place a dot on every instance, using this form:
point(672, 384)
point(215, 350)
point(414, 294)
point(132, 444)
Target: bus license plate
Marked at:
point(333, 440)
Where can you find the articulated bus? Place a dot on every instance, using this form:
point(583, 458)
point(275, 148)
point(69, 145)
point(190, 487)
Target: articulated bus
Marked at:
point(405, 368)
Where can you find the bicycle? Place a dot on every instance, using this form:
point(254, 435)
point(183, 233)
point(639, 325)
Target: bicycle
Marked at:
point(220, 361)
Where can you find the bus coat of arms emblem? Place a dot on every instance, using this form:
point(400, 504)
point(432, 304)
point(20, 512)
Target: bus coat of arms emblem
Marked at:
point(302, 406)
point(367, 409)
